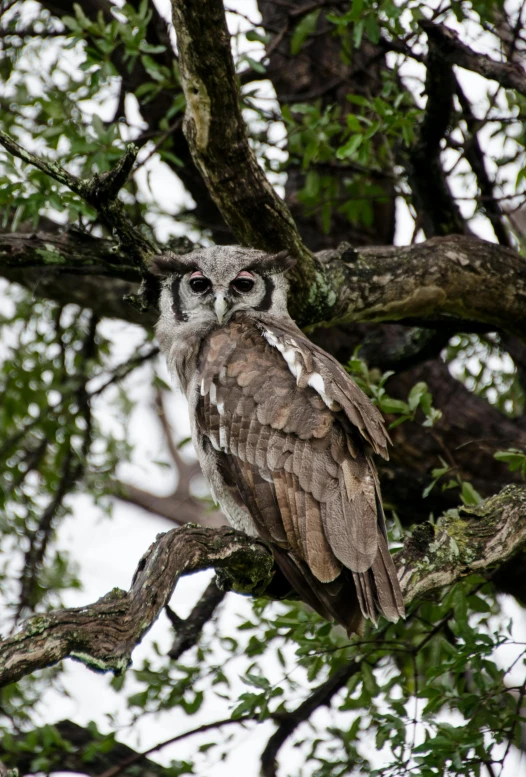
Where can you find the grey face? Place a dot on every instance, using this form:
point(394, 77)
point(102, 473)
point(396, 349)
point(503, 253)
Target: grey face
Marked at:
point(210, 285)
point(209, 294)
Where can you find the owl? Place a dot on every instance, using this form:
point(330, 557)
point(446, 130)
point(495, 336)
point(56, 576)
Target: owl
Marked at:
point(282, 433)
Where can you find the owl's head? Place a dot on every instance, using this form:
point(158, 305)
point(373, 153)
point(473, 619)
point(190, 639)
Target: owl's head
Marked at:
point(209, 285)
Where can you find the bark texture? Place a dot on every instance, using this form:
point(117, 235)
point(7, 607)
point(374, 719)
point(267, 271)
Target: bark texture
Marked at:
point(103, 635)
point(444, 280)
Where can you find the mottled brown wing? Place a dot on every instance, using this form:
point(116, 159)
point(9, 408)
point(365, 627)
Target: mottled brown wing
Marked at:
point(301, 471)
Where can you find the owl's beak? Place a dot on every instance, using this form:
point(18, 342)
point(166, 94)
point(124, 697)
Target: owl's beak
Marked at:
point(220, 306)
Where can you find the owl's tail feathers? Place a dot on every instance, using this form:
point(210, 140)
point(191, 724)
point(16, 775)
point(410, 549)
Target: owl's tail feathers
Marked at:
point(378, 589)
point(352, 595)
point(336, 601)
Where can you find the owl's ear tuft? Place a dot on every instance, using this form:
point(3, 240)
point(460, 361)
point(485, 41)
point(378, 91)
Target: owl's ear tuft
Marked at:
point(170, 264)
point(272, 264)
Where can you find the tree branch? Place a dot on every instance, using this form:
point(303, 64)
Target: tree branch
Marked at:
point(101, 192)
point(109, 755)
point(217, 136)
point(433, 199)
point(216, 131)
point(174, 507)
point(444, 279)
point(477, 161)
point(321, 697)
point(510, 75)
point(470, 539)
point(188, 631)
point(453, 277)
point(104, 634)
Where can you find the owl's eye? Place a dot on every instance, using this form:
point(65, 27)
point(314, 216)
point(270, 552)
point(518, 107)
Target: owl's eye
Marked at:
point(199, 284)
point(243, 284)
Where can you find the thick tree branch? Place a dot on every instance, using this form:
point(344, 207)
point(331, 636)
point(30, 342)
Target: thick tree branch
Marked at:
point(75, 267)
point(510, 75)
point(445, 278)
point(216, 131)
point(104, 635)
point(454, 278)
point(470, 539)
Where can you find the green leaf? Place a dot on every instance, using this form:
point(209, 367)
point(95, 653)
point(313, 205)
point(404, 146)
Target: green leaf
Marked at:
point(416, 394)
point(514, 458)
point(254, 35)
point(303, 29)
point(258, 67)
point(349, 149)
point(469, 495)
point(148, 48)
point(390, 405)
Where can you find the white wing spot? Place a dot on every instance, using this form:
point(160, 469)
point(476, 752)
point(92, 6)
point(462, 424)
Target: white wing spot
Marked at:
point(215, 444)
point(290, 355)
point(213, 393)
point(318, 384)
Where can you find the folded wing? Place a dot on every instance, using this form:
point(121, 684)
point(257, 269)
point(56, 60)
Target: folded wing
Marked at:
point(290, 430)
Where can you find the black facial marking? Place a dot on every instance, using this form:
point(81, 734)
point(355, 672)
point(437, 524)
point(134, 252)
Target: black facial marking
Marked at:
point(266, 302)
point(179, 314)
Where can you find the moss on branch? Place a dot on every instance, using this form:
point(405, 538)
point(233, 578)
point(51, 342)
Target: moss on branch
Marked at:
point(470, 539)
point(103, 635)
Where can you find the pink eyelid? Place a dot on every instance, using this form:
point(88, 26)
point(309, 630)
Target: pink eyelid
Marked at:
point(197, 274)
point(245, 274)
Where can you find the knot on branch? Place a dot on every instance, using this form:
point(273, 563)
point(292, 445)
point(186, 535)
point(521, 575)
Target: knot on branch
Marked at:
point(420, 540)
point(104, 187)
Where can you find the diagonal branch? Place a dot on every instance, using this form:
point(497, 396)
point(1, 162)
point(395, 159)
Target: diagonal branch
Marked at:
point(188, 631)
point(104, 634)
point(101, 192)
point(477, 161)
point(510, 75)
point(321, 697)
point(216, 131)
